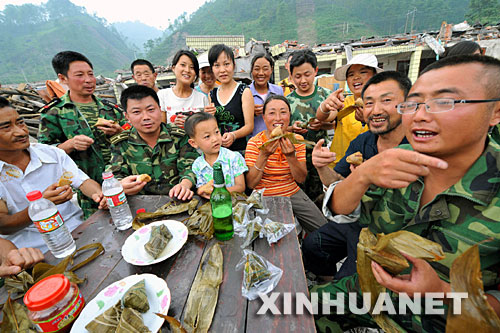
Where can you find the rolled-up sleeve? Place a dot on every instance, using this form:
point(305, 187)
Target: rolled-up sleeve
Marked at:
point(338, 218)
point(69, 165)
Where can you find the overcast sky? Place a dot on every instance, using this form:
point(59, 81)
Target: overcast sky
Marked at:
point(155, 13)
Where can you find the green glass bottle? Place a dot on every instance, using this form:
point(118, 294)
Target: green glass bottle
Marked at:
point(222, 206)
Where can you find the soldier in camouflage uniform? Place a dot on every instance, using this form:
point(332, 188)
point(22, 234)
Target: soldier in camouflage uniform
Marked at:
point(304, 101)
point(151, 147)
point(69, 122)
point(445, 187)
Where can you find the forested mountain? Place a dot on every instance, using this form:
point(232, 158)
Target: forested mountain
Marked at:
point(308, 21)
point(31, 35)
point(136, 34)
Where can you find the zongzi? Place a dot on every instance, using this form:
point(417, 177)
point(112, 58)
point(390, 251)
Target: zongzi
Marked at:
point(131, 322)
point(136, 298)
point(160, 236)
point(107, 322)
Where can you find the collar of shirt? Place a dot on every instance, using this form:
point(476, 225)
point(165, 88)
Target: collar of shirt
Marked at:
point(371, 139)
point(66, 100)
point(222, 159)
point(135, 138)
point(272, 89)
point(481, 182)
point(37, 158)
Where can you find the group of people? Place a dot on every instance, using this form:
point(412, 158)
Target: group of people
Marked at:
point(431, 155)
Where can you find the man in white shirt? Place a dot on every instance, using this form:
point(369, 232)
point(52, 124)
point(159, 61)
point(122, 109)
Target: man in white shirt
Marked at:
point(25, 168)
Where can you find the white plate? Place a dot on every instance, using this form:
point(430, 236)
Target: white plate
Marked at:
point(133, 249)
point(156, 290)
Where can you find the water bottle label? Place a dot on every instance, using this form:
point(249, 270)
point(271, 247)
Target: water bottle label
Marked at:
point(116, 200)
point(50, 223)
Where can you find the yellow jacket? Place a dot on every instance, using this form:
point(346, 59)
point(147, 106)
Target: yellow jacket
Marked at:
point(285, 84)
point(347, 128)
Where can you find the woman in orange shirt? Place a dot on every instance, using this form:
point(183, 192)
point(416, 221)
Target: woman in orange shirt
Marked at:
point(280, 165)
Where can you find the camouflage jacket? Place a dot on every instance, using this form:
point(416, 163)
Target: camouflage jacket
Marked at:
point(61, 120)
point(463, 215)
point(167, 163)
point(304, 108)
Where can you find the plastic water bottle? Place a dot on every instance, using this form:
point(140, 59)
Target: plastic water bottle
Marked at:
point(50, 224)
point(117, 201)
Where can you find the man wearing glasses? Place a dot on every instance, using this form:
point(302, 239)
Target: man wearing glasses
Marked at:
point(326, 246)
point(144, 73)
point(444, 187)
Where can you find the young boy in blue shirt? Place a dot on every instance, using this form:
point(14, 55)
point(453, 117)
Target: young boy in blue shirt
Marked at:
point(204, 135)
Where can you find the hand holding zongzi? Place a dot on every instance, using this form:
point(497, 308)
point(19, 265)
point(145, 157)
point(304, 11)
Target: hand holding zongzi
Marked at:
point(422, 279)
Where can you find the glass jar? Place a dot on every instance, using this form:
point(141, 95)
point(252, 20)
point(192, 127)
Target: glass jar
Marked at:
point(54, 303)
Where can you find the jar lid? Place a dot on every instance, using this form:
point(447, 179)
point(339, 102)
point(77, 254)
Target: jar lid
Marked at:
point(34, 195)
point(46, 292)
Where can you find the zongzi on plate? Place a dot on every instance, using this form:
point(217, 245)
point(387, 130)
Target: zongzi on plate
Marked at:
point(136, 298)
point(158, 241)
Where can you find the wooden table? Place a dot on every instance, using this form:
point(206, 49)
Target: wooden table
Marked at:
point(233, 313)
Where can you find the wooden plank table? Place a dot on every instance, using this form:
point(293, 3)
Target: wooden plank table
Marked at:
point(233, 312)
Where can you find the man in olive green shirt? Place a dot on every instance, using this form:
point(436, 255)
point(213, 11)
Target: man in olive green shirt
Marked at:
point(151, 147)
point(444, 187)
point(69, 122)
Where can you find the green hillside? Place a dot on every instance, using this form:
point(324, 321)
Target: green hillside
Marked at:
point(308, 21)
point(32, 35)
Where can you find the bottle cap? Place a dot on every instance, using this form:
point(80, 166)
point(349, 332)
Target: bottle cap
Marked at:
point(46, 292)
point(34, 195)
point(140, 210)
point(107, 175)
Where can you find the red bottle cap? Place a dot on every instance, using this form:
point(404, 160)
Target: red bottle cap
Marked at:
point(140, 210)
point(107, 175)
point(46, 292)
point(34, 195)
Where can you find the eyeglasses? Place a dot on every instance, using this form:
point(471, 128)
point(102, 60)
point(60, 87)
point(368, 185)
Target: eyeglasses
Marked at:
point(438, 104)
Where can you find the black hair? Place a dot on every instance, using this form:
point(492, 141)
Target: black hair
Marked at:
point(403, 81)
point(491, 69)
point(195, 119)
point(267, 56)
point(462, 48)
point(4, 102)
point(62, 60)
point(139, 62)
point(191, 56)
point(216, 50)
point(301, 57)
point(137, 92)
point(275, 97)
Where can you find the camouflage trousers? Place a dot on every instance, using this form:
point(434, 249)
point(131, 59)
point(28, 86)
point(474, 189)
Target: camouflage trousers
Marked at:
point(335, 322)
point(312, 186)
point(88, 206)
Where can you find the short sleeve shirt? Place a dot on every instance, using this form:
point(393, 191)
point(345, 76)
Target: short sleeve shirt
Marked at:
point(277, 177)
point(46, 166)
point(233, 165)
point(171, 104)
point(304, 108)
